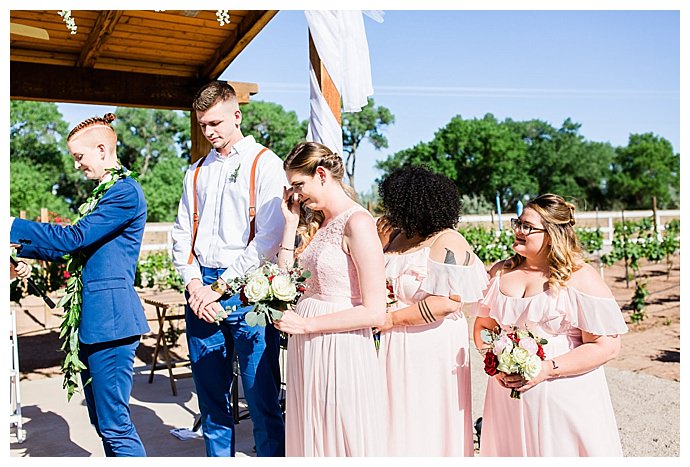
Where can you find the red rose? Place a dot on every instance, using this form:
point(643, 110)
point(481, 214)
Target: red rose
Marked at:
point(243, 297)
point(490, 363)
point(66, 275)
point(540, 352)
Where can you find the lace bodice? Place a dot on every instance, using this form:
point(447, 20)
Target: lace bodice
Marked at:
point(333, 274)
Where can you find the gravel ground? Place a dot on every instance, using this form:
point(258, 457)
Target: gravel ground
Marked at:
point(647, 409)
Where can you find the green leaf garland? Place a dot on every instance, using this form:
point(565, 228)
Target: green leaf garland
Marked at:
point(72, 300)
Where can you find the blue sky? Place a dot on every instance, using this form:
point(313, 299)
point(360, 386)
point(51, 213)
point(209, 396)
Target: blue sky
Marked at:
point(615, 72)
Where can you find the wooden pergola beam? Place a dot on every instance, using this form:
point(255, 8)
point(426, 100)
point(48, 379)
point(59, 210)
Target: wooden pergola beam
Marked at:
point(250, 26)
point(104, 26)
point(328, 88)
point(55, 83)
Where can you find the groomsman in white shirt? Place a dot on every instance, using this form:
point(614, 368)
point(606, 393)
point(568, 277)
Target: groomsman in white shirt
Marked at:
point(221, 245)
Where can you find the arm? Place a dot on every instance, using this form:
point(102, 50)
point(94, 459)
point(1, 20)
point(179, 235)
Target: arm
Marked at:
point(268, 227)
point(290, 209)
point(595, 350)
point(484, 322)
point(113, 212)
point(363, 244)
point(182, 237)
point(444, 249)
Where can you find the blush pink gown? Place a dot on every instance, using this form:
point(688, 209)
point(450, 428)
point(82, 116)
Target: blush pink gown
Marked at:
point(334, 389)
point(569, 416)
point(427, 367)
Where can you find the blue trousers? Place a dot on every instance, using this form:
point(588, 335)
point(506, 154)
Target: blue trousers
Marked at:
point(211, 348)
point(110, 366)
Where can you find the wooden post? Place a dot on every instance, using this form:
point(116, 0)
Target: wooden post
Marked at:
point(44, 215)
point(200, 145)
point(655, 218)
point(22, 214)
point(328, 89)
point(625, 249)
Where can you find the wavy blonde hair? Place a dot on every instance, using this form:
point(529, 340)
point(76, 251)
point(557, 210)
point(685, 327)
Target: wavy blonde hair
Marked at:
point(304, 159)
point(563, 249)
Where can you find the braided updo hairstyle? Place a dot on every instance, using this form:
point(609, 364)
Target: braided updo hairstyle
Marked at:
point(105, 121)
point(304, 159)
point(564, 251)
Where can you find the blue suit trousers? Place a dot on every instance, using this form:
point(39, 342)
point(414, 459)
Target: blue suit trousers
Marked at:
point(211, 348)
point(110, 366)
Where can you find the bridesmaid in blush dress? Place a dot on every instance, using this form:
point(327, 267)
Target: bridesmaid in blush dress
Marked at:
point(546, 286)
point(424, 345)
point(334, 389)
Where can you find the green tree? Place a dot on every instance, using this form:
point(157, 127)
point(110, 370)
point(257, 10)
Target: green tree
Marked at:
point(146, 136)
point(38, 157)
point(646, 167)
point(163, 188)
point(483, 156)
point(365, 124)
point(273, 126)
point(31, 190)
point(562, 162)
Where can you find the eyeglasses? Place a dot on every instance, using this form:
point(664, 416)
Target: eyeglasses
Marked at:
point(524, 229)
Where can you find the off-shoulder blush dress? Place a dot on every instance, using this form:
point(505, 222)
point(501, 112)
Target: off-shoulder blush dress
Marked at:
point(427, 367)
point(567, 416)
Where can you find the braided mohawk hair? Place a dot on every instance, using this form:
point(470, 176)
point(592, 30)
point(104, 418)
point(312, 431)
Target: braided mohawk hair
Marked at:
point(105, 120)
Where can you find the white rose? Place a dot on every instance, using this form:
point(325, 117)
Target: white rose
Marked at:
point(254, 273)
point(532, 368)
point(506, 363)
point(520, 355)
point(521, 333)
point(283, 288)
point(257, 288)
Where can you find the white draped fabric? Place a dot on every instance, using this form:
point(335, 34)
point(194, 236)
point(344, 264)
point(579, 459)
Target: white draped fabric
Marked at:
point(341, 43)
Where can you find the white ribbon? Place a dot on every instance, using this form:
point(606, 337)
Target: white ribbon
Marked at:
point(341, 42)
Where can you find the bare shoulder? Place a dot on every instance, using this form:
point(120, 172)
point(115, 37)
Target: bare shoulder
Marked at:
point(449, 241)
point(360, 220)
point(496, 268)
point(587, 279)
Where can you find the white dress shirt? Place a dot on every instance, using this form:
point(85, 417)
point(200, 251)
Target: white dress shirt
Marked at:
point(223, 209)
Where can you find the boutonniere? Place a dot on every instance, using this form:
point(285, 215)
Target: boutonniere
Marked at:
point(233, 176)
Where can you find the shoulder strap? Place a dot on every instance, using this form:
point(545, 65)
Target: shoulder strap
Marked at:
point(252, 195)
point(252, 202)
point(196, 211)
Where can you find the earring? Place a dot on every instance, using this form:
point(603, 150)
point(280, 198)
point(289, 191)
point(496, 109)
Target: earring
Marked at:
point(323, 180)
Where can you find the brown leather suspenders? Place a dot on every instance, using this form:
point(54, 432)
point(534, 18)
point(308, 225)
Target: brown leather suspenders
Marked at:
point(252, 202)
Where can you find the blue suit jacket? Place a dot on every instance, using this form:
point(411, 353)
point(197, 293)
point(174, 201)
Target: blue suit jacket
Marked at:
point(110, 237)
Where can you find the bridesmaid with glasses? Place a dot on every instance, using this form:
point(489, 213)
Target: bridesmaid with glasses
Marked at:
point(547, 287)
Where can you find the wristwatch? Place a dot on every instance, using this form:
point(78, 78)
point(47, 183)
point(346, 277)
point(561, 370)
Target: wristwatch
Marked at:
point(219, 286)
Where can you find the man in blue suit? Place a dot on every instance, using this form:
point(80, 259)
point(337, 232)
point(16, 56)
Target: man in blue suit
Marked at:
point(112, 318)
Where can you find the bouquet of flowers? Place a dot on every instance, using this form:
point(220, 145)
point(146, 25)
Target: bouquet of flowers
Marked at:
point(270, 290)
point(517, 351)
